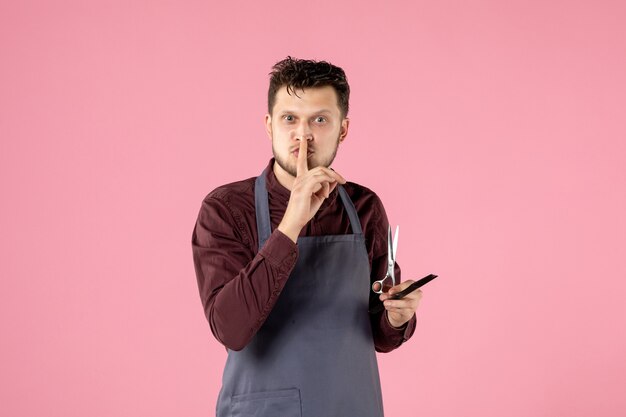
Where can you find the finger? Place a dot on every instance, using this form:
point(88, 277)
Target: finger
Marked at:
point(301, 164)
point(343, 180)
point(390, 306)
point(326, 188)
point(401, 286)
point(322, 190)
point(332, 173)
point(414, 295)
point(315, 181)
point(403, 304)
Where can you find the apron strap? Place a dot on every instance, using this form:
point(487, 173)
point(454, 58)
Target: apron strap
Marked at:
point(263, 223)
point(355, 223)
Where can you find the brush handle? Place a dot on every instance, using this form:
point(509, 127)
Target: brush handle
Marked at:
point(412, 287)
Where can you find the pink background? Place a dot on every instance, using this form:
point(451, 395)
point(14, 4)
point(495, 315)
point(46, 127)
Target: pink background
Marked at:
point(502, 121)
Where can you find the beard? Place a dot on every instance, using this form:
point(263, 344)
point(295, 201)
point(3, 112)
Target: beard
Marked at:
point(292, 169)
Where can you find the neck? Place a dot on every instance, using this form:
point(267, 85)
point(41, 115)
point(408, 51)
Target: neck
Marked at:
point(284, 178)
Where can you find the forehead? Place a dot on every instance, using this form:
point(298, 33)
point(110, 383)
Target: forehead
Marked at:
point(307, 100)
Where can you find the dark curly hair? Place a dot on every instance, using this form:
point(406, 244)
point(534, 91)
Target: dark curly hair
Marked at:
point(298, 74)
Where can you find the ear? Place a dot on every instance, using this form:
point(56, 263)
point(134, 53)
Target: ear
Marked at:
point(268, 125)
point(344, 129)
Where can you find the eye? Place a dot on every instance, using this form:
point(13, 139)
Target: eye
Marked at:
point(320, 119)
point(288, 118)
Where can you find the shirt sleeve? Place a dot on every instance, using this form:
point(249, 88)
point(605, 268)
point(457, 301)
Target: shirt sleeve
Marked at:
point(238, 287)
point(386, 337)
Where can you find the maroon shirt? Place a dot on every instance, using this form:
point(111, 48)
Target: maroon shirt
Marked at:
point(239, 284)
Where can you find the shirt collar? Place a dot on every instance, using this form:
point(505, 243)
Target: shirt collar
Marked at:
point(281, 194)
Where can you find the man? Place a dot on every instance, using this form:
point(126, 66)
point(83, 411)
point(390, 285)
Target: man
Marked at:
point(285, 263)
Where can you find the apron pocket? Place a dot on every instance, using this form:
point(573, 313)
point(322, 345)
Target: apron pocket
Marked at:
point(281, 403)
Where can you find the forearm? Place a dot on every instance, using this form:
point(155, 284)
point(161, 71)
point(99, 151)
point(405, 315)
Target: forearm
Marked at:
point(238, 308)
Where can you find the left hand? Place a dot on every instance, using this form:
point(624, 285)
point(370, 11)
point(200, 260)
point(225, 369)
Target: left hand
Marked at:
point(400, 311)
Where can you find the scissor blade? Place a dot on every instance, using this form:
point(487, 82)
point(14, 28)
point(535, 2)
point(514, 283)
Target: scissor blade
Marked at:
point(395, 242)
point(389, 247)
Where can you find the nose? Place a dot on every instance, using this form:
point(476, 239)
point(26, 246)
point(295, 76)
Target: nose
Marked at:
point(303, 130)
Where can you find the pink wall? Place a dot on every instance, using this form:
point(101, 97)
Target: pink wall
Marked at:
point(502, 121)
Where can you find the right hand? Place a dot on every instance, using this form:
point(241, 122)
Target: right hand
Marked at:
point(309, 190)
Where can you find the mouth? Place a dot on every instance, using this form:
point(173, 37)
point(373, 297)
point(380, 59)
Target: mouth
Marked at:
point(297, 152)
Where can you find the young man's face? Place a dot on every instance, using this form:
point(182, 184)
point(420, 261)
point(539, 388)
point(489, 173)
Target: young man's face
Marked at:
point(315, 116)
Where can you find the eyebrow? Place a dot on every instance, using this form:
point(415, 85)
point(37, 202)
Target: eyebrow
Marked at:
point(315, 112)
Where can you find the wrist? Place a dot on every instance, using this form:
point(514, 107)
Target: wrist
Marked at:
point(291, 231)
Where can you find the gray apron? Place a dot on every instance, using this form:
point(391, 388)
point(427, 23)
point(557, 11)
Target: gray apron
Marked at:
point(314, 355)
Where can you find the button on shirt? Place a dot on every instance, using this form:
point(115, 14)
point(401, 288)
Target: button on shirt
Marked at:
point(239, 284)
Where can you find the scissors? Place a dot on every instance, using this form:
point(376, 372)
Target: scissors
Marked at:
point(381, 285)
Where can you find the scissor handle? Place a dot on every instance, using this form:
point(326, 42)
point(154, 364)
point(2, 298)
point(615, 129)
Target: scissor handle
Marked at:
point(381, 285)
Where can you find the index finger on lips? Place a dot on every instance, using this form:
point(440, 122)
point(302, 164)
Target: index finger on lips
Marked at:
point(301, 164)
